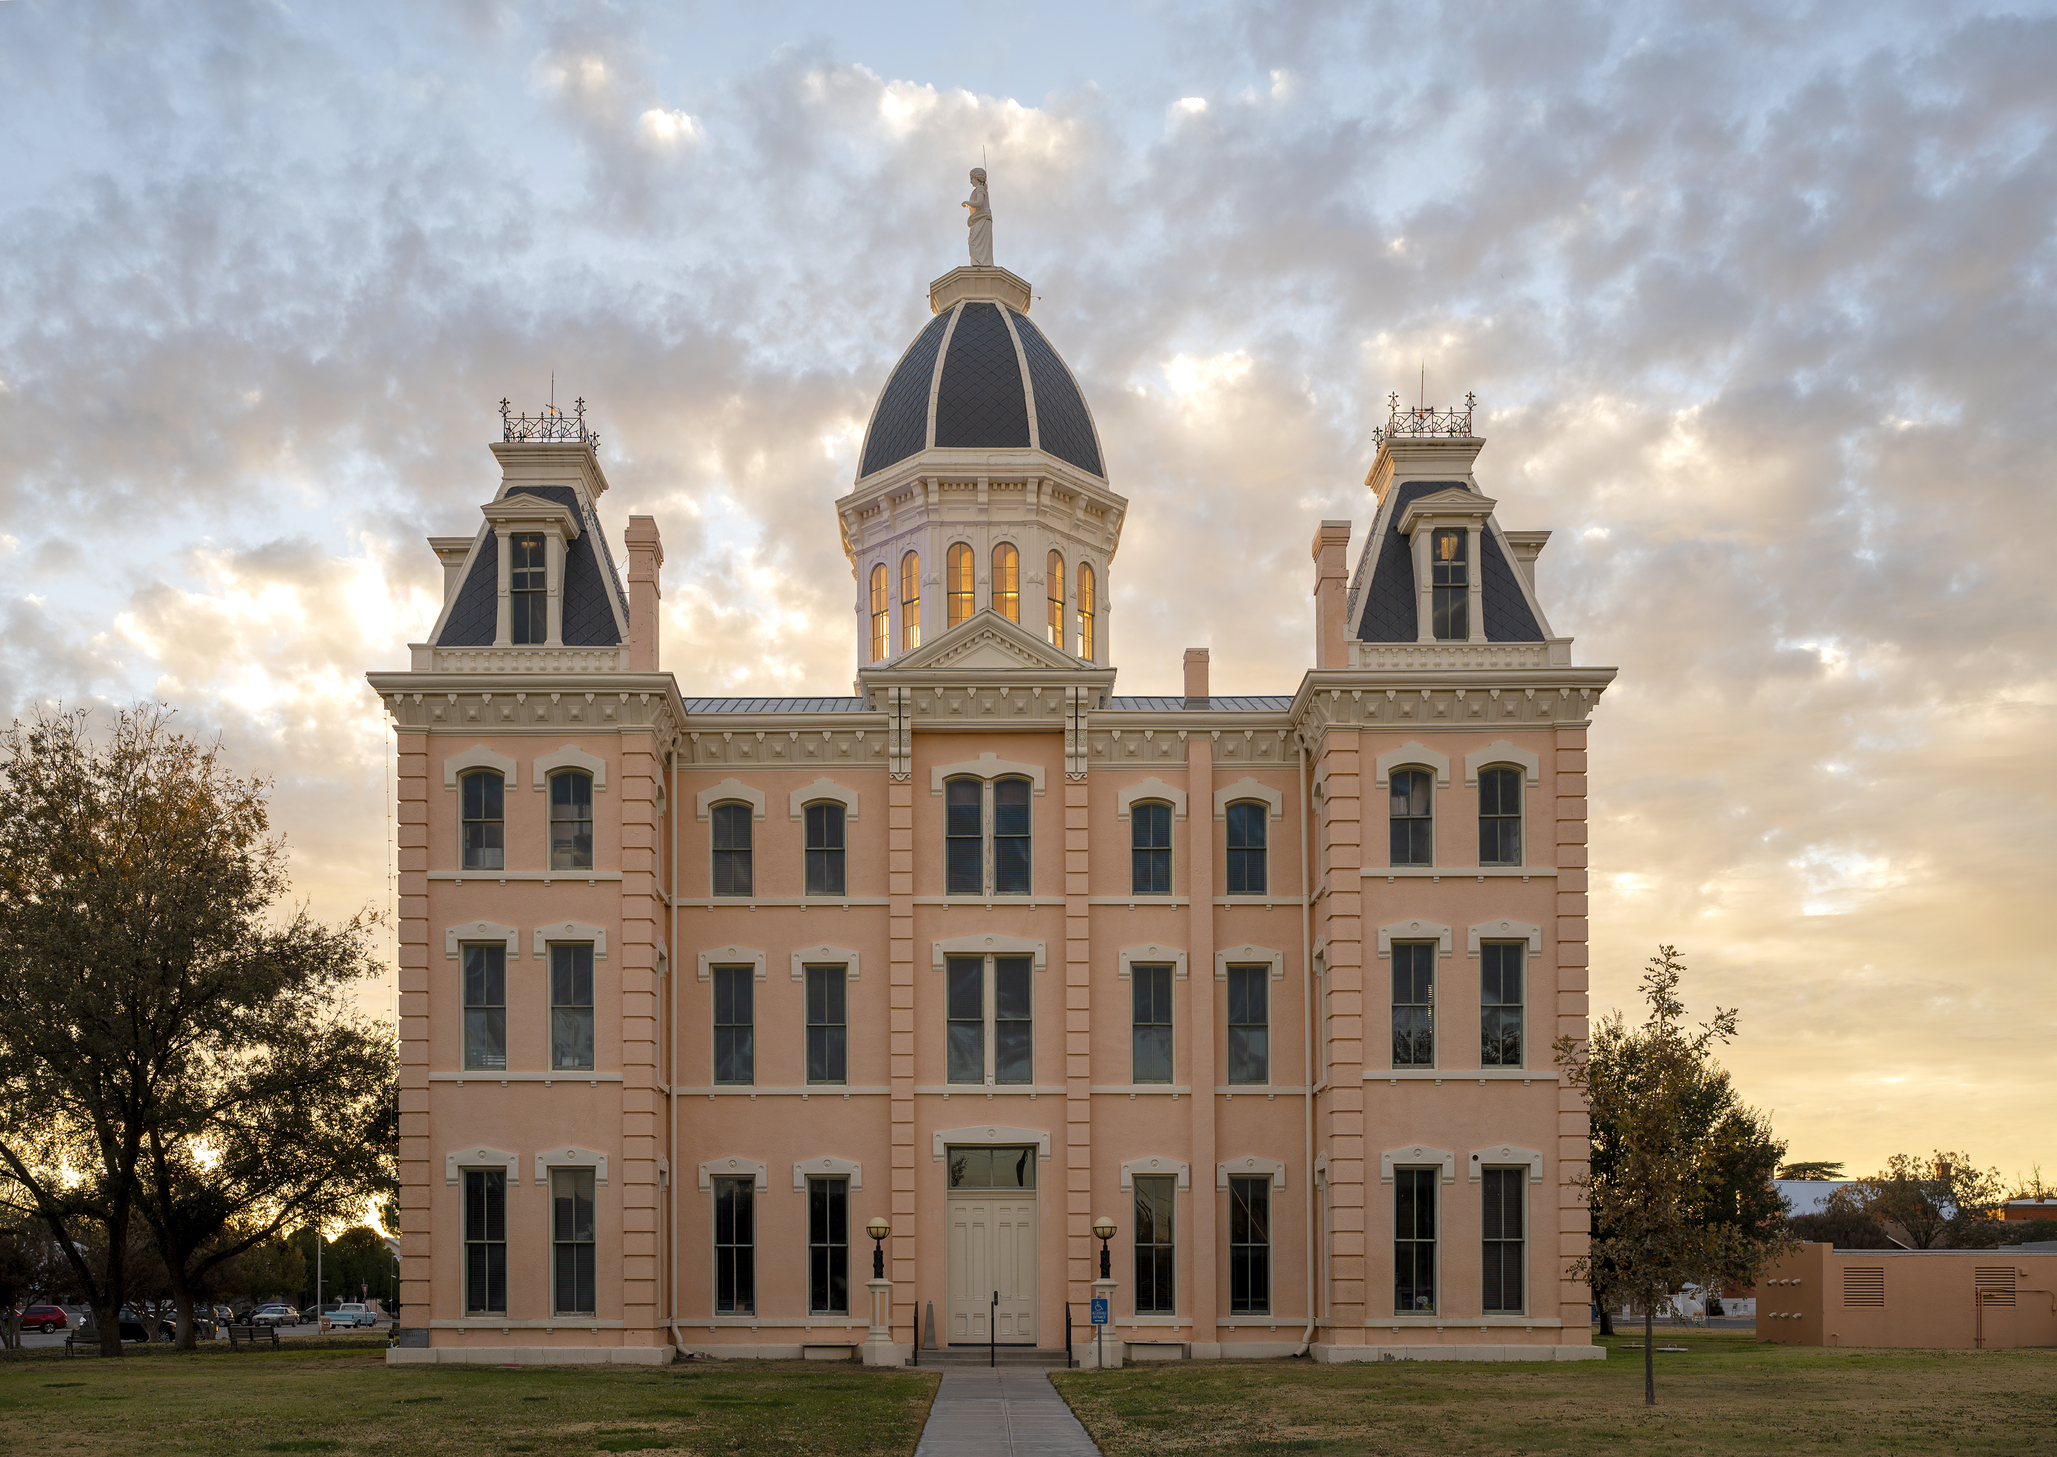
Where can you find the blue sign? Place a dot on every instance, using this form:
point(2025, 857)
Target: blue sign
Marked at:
point(1099, 1310)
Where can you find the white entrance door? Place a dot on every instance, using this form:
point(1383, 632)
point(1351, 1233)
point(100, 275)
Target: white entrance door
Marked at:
point(992, 1251)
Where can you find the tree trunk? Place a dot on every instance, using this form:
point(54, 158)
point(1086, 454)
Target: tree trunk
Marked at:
point(1606, 1319)
point(182, 1304)
point(1649, 1353)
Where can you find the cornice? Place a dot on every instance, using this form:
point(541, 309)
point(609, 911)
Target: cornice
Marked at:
point(522, 703)
point(1475, 698)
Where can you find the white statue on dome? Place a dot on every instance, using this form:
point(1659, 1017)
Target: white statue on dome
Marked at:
point(980, 222)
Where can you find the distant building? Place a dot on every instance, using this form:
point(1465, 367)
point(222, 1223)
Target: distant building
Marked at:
point(2029, 1209)
point(1967, 1299)
point(1809, 1196)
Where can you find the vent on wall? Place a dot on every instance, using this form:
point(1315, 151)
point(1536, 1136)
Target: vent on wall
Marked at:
point(1864, 1286)
point(1994, 1284)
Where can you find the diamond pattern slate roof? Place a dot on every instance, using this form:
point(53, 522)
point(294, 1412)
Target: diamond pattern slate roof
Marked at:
point(774, 705)
point(476, 617)
point(980, 400)
point(1389, 600)
point(1063, 426)
point(1508, 618)
point(588, 613)
point(1229, 703)
point(900, 427)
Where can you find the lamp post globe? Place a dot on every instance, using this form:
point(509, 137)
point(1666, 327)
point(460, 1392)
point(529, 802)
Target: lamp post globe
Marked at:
point(878, 1229)
point(1104, 1228)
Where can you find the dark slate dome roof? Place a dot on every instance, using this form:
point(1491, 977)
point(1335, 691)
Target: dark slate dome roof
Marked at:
point(981, 399)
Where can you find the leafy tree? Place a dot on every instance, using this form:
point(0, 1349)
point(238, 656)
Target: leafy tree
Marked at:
point(1671, 1205)
point(151, 988)
point(1937, 1202)
point(28, 1269)
point(1842, 1226)
point(1818, 1172)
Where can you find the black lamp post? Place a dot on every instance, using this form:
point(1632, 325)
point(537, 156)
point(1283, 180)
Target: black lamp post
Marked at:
point(878, 1229)
point(1104, 1228)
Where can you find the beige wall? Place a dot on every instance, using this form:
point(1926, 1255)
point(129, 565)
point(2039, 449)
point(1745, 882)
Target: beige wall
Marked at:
point(1964, 1299)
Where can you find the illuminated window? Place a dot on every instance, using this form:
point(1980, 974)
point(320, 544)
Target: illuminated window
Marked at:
point(1054, 586)
point(962, 601)
point(910, 601)
point(1450, 604)
point(529, 617)
point(878, 613)
point(1085, 611)
point(1007, 582)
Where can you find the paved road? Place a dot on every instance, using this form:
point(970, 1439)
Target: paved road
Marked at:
point(1002, 1413)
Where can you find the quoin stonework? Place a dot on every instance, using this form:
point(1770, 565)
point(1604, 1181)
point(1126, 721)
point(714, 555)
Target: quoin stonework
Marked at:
point(695, 989)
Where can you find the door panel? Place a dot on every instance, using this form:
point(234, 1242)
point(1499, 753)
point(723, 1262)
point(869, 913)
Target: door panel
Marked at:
point(992, 1247)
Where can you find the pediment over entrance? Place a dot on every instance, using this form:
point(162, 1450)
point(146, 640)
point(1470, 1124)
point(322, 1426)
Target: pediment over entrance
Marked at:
point(985, 641)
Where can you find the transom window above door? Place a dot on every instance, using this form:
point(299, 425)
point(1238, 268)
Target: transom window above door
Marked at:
point(992, 1168)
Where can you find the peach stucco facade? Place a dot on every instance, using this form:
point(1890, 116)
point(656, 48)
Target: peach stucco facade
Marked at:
point(1968, 1299)
point(1278, 1173)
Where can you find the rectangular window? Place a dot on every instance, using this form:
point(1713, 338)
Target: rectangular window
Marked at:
point(1156, 1292)
point(1249, 1245)
point(964, 836)
point(828, 1034)
point(1249, 1024)
point(1246, 847)
point(571, 821)
point(1499, 817)
point(732, 849)
point(1503, 1228)
point(735, 1247)
point(1411, 811)
point(1011, 837)
point(1152, 1026)
point(825, 849)
point(528, 618)
point(1414, 1004)
point(485, 1242)
point(966, 991)
point(828, 1246)
point(1500, 998)
point(485, 1006)
point(1414, 1241)
point(571, 1242)
point(571, 1005)
point(1150, 848)
point(991, 1006)
point(1450, 586)
point(485, 823)
point(1014, 1059)
point(735, 1039)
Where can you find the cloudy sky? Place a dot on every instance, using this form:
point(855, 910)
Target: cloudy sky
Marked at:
point(1757, 300)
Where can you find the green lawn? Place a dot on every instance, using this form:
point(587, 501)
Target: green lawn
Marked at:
point(347, 1401)
point(1726, 1394)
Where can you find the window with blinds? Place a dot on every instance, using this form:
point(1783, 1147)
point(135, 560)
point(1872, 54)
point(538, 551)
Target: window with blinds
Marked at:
point(1864, 1286)
point(1994, 1284)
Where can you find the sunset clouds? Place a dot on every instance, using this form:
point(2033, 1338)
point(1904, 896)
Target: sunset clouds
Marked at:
point(1756, 299)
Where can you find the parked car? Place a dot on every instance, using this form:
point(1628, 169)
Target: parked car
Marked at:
point(266, 1315)
point(223, 1315)
point(45, 1318)
point(353, 1315)
point(131, 1328)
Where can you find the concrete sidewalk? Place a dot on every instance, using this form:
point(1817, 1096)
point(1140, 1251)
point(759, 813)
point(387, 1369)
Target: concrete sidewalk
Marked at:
point(1002, 1414)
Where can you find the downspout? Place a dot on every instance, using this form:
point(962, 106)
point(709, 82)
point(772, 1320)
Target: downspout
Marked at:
point(671, 1080)
point(1307, 1064)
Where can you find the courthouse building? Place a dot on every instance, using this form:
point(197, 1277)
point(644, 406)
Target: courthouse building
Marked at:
point(693, 989)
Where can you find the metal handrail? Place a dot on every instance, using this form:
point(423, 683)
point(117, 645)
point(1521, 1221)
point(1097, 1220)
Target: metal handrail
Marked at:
point(1425, 422)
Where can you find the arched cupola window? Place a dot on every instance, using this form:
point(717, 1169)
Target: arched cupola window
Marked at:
point(1007, 582)
point(1086, 603)
point(878, 613)
point(1054, 586)
point(958, 580)
point(910, 601)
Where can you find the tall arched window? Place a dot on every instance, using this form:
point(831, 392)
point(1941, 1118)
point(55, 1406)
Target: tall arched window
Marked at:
point(732, 849)
point(825, 848)
point(1085, 610)
point(1007, 582)
point(1449, 608)
point(485, 821)
point(1499, 816)
point(528, 612)
point(910, 601)
point(1413, 818)
point(957, 582)
point(1150, 851)
point(1054, 587)
point(1247, 870)
point(878, 613)
point(571, 820)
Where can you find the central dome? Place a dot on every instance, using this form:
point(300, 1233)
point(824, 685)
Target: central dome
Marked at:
point(980, 376)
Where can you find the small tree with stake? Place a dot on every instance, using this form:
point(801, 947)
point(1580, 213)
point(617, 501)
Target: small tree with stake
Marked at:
point(1658, 1204)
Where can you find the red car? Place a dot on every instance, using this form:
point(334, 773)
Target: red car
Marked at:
point(44, 1318)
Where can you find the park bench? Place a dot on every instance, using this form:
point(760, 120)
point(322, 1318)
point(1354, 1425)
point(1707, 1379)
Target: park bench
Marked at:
point(243, 1335)
point(77, 1343)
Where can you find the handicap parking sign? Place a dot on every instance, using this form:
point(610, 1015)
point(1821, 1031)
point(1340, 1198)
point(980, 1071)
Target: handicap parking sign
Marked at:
point(1099, 1310)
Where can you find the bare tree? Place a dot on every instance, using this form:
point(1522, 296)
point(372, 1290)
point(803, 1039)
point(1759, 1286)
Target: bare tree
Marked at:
point(147, 973)
point(1666, 1206)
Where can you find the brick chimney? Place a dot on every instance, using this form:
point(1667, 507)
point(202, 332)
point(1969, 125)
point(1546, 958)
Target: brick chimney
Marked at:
point(1196, 677)
point(1331, 591)
point(646, 555)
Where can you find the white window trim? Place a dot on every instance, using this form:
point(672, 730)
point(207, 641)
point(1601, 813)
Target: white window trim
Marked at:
point(1502, 931)
point(730, 956)
point(1501, 752)
point(454, 938)
point(1418, 1156)
point(454, 1164)
point(819, 791)
point(941, 1140)
point(1128, 956)
point(729, 789)
point(732, 1168)
point(994, 945)
point(824, 956)
point(988, 767)
point(571, 1158)
point(1412, 753)
point(1156, 1164)
point(1506, 1155)
point(827, 1167)
point(1248, 956)
point(571, 931)
point(1247, 788)
point(1413, 931)
point(1148, 789)
point(1247, 1166)
point(478, 756)
point(571, 756)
